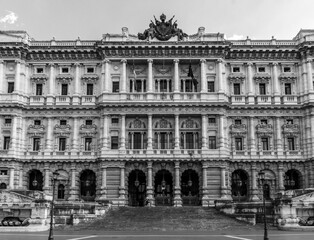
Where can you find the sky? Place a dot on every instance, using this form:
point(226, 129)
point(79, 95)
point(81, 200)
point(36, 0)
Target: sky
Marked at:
point(90, 19)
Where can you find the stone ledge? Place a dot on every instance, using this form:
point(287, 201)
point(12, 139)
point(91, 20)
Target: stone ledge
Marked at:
point(36, 228)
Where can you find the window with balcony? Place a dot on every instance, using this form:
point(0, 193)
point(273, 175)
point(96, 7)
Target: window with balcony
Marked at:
point(61, 191)
point(39, 89)
point(211, 86)
point(6, 143)
point(262, 89)
point(137, 140)
point(89, 89)
point(89, 122)
point(265, 144)
point(88, 144)
point(163, 140)
point(10, 87)
point(64, 89)
point(189, 140)
point(212, 142)
point(163, 85)
point(291, 145)
point(37, 122)
point(114, 142)
point(236, 89)
point(36, 144)
point(188, 85)
point(115, 86)
point(238, 144)
point(237, 122)
point(288, 88)
point(62, 144)
point(138, 85)
point(63, 122)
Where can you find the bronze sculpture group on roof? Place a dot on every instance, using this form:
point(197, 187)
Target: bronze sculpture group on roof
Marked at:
point(162, 30)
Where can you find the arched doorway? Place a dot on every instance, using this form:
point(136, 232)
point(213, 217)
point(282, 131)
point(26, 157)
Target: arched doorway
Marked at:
point(3, 186)
point(239, 185)
point(88, 185)
point(190, 188)
point(292, 180)
point(35, 180)
point(163, 188)
point(137, 188)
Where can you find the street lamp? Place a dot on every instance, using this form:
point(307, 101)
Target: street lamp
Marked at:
point(261, 176)
point(239, 185)
point(53, 180)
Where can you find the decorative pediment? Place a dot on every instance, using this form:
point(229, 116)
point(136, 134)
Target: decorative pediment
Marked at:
point(39, 78)
point(139, 70)
point(88, 129)
point(291, 129)
point(262, 77)
point(189, 123)
point(64, 78)
point(90, 78)
point(64, 130)
point(264, 129)
point(36, 129)
point(137, 124)
point(238, 129)
point(162, 70)
point(237, 77)
point(163, 123)
point(290, 77)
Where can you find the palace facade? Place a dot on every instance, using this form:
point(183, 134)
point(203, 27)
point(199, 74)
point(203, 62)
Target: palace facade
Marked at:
point(164, 117)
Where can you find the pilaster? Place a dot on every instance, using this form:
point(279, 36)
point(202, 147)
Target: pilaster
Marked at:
point(276, 89)
point(76, 98)
point(177, 189)
point(150, 189)
point(176, 78)
point(51, 85)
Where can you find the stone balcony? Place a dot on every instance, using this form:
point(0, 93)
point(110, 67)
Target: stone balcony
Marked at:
point(289, 99)
point(263, 99)
point(63, 100)
point(237, 99)
point(37, 100)
point(88, 100)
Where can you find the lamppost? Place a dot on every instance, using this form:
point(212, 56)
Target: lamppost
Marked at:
point(239, 185)
point(53, 180)
point(262, 180)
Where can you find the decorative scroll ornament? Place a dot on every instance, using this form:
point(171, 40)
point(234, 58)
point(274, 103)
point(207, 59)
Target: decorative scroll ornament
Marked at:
point(163, 123)
point(64, 78)
point(88, 130)
point(288, 77)
point(236, 77)
point(162, 30)
point(162, 70)
point(238, 129)
point(90, 78)
point(291, 129)
point(63, 130)
point(36, 130)
point(264, 129)
point(39, 78)
point(262, 77)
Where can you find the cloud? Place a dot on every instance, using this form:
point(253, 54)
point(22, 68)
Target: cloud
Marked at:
point(236, 37)
point(10, 18)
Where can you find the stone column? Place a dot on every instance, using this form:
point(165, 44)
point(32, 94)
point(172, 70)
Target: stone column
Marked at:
point(221, 83)
point(76, 142)
point(309, 75)
point(21, 175)
point(176, 79)
point(254, 190)
point(225, 194)
point(46, 187)
point(281, 186)
point(252, 142)
point(14, 135)
point(276, 90)
point(105, 76)
point(203, 76)
point(74, 189)
point(122, 133)
point(279, 136)
point(221, 133)
point(176, 132)
point(123, 78)
point(2, 78)
point(150, 132)
point(205, 199)
point(49, 140)
point(150, 189)
point(11, 179)
point(177, 189)
point(105, 134)
point(76, 100)
point(204, 132)
point(51, 85)
point(150, 76)
point(17, 82)
point(103, 191)
point(122, 184)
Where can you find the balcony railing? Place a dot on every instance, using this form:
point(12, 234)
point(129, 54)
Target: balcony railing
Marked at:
point(37, 100)
point(190, 96)
point(136, 96)
point(263, 99)
point(88, 100)
point(289, 99)
point(63, 100)
point(237, 100)
point(163, 96)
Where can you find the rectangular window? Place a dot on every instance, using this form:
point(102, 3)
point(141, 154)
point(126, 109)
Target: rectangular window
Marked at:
point(235, 69)
point(189, 140)
point(37, 122)
point(265, 146)
point(62, 144)
point(237, 122)
point(163, 85)
point(39, 70)
point(36, 144)
point(3, 172)
point(10, 87)
point(288, 88)
point(115, 87)
point(236, 89)
point(63, 122)
point(114, 121)
point(286, 69)
point(212, 142)
point(261, 69)
point(114, 142)
point(264, 121)
point(289, 121)
point(89, 122)
point(291, 146)
point(262, 89)
point(211, 86)
point(64, 89)
point(137, 140)
point(39, 89)
point(188, 85)
point(88, 144)
point(90, 89)
point(90, 70)
point(65, 70)
point(7, 121)
point(6, 143)
point(163, 140)
point(212, 120)
point(238, 144)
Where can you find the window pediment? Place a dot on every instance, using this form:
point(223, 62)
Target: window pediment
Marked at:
point(36, 129)
point(63, 130)
point(163, 123)
point(237, 77)
point(189, 124)
point(64, 78)
point(88, 130)
point(291, 129)
point(264, 129)
point(39, 78)
point(138, 124)
point(262, 77)
point(89, 78)
point(288, 77)
point(238, 129)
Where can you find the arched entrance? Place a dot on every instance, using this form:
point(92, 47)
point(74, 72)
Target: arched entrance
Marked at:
point(3, 186)
point(88, 185)
point(35, 180)
point(137, 188)
point(190, 188)
point(239, 185)
point(163, 188)
point(292, 180)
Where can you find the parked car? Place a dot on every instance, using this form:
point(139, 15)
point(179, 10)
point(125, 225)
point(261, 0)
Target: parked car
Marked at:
point(11, 221)
point(310, 221)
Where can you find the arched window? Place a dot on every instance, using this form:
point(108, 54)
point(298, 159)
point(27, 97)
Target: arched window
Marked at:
point(3, 186)
point(61, 191)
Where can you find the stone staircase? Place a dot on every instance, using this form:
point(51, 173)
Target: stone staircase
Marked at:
point(163, 219)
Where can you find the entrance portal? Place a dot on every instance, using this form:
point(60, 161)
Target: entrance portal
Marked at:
point(137, 188)
point(190, 188)
point(35, 180)
point(163, 188)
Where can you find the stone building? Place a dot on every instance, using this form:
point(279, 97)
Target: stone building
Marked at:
point(167, 117)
